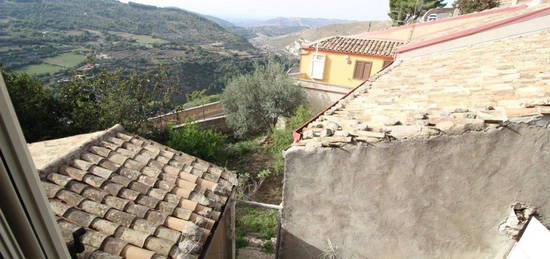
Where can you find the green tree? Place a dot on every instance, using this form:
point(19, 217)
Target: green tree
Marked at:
point(404, 11)
point(253, 102)
point(100, 99)
point(39, 113)
point(470, 6)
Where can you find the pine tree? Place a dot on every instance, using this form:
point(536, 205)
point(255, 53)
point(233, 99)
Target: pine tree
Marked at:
point(403, 11)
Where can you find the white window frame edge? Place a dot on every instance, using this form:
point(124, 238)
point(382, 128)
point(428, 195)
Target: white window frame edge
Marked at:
point(8, 243)
point(24, 203)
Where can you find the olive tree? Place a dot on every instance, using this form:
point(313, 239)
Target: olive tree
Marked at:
point(254, 101)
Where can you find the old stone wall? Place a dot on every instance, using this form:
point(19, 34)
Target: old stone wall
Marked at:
point(320, 95)
point(444, 197)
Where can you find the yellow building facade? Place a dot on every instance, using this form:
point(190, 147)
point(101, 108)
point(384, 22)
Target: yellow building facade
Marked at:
point(339, 68)
point(345, 61)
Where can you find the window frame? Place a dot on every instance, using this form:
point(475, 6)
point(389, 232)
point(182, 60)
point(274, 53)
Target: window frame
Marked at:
point(29, 225)
point(432, 17)
point(357, 62)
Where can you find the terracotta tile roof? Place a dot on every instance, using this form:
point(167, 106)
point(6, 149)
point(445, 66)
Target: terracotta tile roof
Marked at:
point(469, 89)
point(429, 30)
point(358, 46)
point(134, 197)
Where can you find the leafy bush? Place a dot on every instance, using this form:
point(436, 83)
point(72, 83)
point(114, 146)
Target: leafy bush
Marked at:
point(38, 112)
point(257, 220)
point(241, 242)
point(101, 98)
point(281, 139)
point(470, 6)
point(244, 147)
point(206, 144)
point(253, 102)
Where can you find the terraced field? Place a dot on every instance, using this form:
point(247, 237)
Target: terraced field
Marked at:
point(143, 39)
point(66, 60)
point(41, 69)
point(55, 64)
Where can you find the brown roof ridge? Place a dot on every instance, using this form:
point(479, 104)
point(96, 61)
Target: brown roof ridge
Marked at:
point(76, 151)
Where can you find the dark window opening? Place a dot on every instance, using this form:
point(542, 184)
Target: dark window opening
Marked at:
point(362, 70)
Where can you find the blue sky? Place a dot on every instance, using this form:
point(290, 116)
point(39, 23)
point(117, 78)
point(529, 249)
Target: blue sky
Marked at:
point(264, 9)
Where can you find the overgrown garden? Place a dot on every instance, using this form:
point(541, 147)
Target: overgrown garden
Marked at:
point(255, 102)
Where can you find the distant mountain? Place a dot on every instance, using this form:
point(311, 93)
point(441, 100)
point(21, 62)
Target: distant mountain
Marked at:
point(241, 31)
point(286, 21)
point(252, 28)
point(274, 30)
point(223, 23)
point(305, 22)
point(54, 38)
point(165, 23)
point(290, 43)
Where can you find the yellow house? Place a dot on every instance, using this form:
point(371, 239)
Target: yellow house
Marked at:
point(345, 61)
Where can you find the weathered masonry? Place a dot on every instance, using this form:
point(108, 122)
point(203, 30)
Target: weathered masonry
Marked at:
point(443, 155)
point(116, 195)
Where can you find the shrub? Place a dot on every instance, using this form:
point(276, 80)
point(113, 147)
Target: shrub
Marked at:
point(206, 144)
point(268, 247)
point(257, 220)
point(39, 113)
point(253, 102)
point(241, 242)
point(281, 139)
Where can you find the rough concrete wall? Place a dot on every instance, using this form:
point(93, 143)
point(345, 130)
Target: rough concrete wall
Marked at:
point(439, 198)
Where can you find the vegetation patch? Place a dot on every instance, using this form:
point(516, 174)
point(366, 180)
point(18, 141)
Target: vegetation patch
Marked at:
point(258, 221)
point(9, 48)
point(255, 101)
point(66, 60)
point(281, 139)
point(143, 39)
point(204, 143)
point(41, 69)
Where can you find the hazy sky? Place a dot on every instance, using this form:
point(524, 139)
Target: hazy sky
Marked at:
point(343, 9)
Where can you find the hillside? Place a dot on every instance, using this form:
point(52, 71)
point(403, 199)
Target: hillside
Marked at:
point(286, 21)
point(288, 43)
point(250, 28)
point(165, 23)
point(52, 38)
